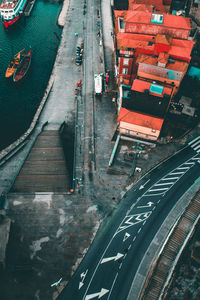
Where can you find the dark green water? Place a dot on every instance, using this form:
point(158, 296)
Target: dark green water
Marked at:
point(19, 102)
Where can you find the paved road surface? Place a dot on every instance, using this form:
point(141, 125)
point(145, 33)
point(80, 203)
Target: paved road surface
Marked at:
point(112, 261)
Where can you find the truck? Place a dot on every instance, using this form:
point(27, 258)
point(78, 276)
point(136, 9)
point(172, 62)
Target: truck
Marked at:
point(98, 84)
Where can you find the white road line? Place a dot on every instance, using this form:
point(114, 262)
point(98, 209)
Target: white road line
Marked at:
point(198, 151)
point(191, 142)
point(163, 189)
point(197, 147)
point(166, 183)
point(177, 173)
point(189, 163)
point(171, 178)
point(134, 238)
point(113, 285)
point(195, 158)
point(129, 247)
point(158, 201)
point(144, 222)
point(120, 266)
point(139, 230)
point(183, 168)
point(154, 207)
point(151, 195)
point(194, 144)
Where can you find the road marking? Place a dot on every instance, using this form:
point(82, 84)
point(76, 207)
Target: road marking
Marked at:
point(129, 247)
point(197, 147)
point(81, 283)
point(56, 283)
point(149, 204)
point(134, 238)
point(143, 185)
point(177, 173)
point(139, 230)
point(183, 168)
point(144, 222)
point(171, 178)
point(189, 163)
point(191, 142)
point(99, 295)
point(118, 256)
point(112, 286)
point(155, 190)
point(126, 236)
point(154, 207)
point(132, 220)
point(158, 184)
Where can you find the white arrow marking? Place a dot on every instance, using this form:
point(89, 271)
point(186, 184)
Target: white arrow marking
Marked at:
point(82, 279)
point(80, 285)
point(99, 295)
point(143, 185)
point(56, 283)
point(84, 274)
point(118, 256)
point(149, 204)
point(126, 236)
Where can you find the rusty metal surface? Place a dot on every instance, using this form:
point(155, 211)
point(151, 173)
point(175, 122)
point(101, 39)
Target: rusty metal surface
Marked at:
point(45, 168)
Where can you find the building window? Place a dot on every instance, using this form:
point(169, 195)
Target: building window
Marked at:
point(124, 71)
point(126, 62)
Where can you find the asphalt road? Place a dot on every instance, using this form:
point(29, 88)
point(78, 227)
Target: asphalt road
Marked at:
point(108, 268)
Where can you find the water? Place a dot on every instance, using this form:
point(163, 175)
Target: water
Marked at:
point(19, 101)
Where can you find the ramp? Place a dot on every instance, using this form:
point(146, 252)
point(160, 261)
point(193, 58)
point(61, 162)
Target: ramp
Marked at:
point(45, 167)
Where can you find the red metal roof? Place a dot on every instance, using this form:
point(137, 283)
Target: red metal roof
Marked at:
point(179, 48)
point(156, 4)
point(176, 65)
point(139, 119)
point(171, 21)
point(141, 85)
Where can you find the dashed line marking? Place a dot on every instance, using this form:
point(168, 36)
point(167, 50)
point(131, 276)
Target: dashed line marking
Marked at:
point(129, 247)
point(134, 238)
point(154, 208)
point(144, 222)
point(158, 201)
point(139, 230)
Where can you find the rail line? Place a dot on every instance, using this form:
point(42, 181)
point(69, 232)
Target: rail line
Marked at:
point(161, 272)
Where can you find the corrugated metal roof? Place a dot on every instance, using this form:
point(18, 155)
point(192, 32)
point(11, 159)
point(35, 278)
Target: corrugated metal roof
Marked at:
point(139, 119)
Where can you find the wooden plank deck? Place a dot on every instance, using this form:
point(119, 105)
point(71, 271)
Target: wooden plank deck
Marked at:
point(45, 167)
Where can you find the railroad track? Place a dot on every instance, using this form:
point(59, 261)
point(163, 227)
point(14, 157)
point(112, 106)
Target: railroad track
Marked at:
point(160, 274)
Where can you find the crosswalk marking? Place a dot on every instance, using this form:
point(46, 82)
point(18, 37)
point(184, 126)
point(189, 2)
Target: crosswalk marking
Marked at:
point(195, 144)
point(166, 183)
point(197, 147)
point(191, 142)
point(170, 178)
point(155, 190)
point(176, 173)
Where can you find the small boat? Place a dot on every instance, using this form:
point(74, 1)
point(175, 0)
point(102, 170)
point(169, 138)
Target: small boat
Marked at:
point(22, 70)
point(15, 62)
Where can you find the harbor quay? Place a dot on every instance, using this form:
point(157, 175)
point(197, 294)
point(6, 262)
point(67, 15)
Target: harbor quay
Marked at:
point(57, 188)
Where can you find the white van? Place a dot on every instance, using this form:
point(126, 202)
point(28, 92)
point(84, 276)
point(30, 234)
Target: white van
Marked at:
point(98, 84)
